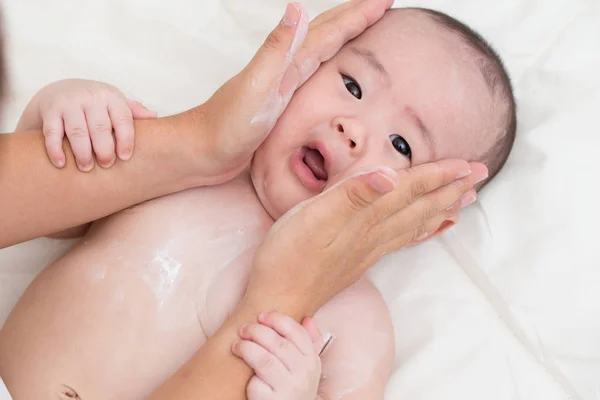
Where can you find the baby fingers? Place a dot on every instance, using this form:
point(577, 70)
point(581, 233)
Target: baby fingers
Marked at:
point(54, 131)
point(122, 123)
point(100, 129)
point(77, 131)
point(266, 366)
point(140, 111)
point(274, 343)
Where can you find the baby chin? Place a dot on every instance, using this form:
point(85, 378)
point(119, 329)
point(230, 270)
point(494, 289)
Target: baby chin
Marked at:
point(278, 194)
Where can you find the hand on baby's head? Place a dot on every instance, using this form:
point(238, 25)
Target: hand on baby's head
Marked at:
point(87, 113)
point(284, 356)
point(415, 88)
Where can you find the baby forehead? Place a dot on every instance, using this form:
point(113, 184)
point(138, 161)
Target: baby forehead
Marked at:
point(407, 29)
point(430, 68)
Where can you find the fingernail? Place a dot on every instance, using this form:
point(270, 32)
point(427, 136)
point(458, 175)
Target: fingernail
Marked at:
point(292, 15)
point(125, 155)
point(467, 199)
point(235, 346)
point(482, 178)
point(422, 237)
point(110, 163)
point(87, 167)
point(59, 163)
point(263, 316)
point(381, 182)
point(464, 173)
point(243, 329)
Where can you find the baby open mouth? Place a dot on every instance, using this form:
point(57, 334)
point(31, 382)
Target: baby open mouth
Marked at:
point(316, 163)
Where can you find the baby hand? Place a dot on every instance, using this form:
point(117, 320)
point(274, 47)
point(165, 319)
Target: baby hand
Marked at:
point(88, 112)
point(284, 356)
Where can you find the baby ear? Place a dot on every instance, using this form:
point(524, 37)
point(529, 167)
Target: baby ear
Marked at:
point(447, 224)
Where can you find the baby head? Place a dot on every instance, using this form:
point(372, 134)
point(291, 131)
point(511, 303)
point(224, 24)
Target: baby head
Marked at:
point(418, 86)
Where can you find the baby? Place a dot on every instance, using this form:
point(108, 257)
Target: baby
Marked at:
point(146, 287)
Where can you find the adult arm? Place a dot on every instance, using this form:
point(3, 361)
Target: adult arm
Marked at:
point(206, 145)
point(38, 199)
point(311, 254)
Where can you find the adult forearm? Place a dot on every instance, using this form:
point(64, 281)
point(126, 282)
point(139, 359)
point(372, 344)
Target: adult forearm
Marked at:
point(214, 373)
point(38, 199)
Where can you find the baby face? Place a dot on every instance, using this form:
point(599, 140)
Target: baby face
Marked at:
point(405, 92)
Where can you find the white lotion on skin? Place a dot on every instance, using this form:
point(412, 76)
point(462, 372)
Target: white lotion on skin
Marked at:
point(161, 282)
point(276, 102)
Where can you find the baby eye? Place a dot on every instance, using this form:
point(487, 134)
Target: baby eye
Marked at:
point(401, 145)
point(352, 86)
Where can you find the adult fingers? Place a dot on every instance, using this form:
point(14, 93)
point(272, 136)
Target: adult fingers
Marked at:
point(276, 53)
point(333, 29)
point(250, 103)
point(420, 217)
point(347, 197)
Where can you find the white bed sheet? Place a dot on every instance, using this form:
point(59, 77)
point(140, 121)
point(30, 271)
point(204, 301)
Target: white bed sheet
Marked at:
point(506, 305)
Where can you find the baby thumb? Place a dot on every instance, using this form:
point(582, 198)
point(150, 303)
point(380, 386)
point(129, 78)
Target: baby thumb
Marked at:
point(140, 111)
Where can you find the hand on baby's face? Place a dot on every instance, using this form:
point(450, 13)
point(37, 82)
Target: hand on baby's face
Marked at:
point(88, 113)
point(399, 95)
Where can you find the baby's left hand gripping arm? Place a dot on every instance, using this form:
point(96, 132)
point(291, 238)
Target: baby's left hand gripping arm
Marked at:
point(357, 362)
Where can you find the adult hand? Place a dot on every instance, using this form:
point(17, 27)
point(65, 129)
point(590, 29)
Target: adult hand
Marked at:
point(327, 243)
point(240, 115)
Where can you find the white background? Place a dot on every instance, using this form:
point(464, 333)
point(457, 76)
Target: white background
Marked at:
point(505, 306)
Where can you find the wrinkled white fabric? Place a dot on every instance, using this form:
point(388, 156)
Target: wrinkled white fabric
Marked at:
point(504, 306)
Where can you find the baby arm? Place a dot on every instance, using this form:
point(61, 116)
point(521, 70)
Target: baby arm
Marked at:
point(87, 113)
point(357, 362)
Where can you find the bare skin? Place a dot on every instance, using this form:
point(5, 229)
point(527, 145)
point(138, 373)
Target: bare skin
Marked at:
point(149, 285)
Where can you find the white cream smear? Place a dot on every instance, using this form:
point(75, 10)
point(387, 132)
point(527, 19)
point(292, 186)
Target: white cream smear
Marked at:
point(276, 102)
point(165, 272)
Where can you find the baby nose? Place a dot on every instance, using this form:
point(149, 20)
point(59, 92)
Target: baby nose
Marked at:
point(352, 134)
